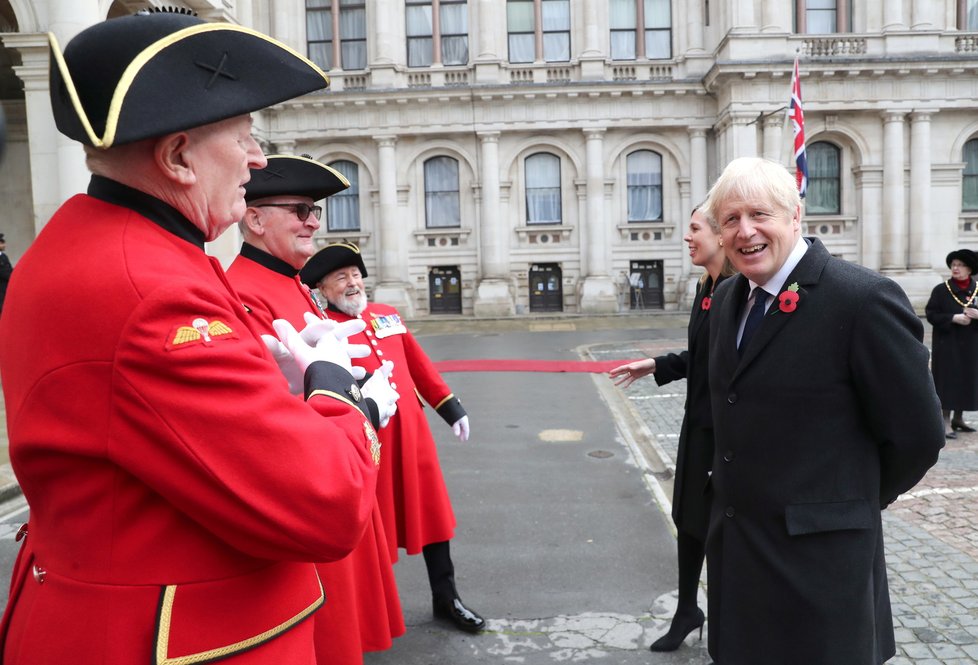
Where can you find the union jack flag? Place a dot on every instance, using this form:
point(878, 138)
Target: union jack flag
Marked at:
point(797, 116)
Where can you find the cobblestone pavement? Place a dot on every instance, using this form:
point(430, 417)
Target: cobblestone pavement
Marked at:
point(930, 535)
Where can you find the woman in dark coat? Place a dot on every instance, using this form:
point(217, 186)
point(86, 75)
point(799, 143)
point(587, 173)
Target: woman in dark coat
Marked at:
point(952, 310)
point(694, 459)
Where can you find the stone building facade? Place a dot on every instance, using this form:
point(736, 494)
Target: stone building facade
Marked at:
point(511, 157)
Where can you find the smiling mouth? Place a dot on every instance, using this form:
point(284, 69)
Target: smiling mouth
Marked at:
point(753, 249)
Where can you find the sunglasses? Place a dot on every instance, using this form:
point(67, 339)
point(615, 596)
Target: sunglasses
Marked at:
point(301, 210)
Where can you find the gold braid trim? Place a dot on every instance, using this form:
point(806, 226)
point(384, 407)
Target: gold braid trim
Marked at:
point(163, 633)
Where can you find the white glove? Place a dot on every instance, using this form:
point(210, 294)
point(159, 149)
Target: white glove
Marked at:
point(461, 428)
point(286, 363)
point(378, 388)
point(323, 339)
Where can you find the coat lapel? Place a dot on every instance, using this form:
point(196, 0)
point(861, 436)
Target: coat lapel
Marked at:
point(806, 274)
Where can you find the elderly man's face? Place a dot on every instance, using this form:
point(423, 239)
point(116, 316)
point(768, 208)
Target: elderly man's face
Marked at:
point(284, 234)
point(758, 236)
point(343, 289)
point(221, 155)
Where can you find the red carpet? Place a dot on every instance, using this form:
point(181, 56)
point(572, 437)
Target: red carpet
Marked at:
point(596, 366)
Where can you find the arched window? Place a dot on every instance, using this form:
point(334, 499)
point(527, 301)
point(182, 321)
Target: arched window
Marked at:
point(969, 184)
point(441, 202)
point(644, 186)
point(543, 189)
point(343, 209)
point(824, 179)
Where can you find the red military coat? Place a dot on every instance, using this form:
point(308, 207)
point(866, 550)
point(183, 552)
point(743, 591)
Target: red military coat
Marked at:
point(175, 487)
point(411, 490)
point(362, 611)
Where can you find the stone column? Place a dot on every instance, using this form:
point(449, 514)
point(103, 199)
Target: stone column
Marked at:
point(392, 287)
point(869, 180)
point(894, 215)
point(492, 297)
point(744, 134)
point(698, 180)
point(921, 16)
point(774, 136)
point(42, 134)
point(920, 186)
point(592, 59)
point(893, 16)
point(598, 292)
point(743, 16)
point(694, 27)
point(487, 65)
point(69, 17)
point(382, 72)
point(776, 16)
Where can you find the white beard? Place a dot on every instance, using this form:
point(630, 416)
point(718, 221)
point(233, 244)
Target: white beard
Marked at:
point(352, 305)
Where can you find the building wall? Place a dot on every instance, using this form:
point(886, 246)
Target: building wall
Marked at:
point(896, 94)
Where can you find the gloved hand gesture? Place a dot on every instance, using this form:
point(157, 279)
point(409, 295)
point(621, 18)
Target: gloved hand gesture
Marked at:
point(378, 388)
point(323, 339)
point(461, 428)
point(286, 363)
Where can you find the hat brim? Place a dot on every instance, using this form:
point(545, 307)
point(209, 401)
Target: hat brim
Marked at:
point(294, 175)
point(196, 75)
point(329, 258)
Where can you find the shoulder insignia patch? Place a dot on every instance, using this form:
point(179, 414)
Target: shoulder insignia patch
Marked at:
point(199, 332)
point(374, 442)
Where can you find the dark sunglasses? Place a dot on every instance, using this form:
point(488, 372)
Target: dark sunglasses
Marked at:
point(301, 210)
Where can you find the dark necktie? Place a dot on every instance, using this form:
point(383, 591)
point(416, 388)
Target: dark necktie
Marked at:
point(754, 317)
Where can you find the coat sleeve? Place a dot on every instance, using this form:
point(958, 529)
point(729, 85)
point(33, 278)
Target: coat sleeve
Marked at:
point(938, 315)
point(429, 383)
point(890, 371)
point(671, 367)
point(212, 428)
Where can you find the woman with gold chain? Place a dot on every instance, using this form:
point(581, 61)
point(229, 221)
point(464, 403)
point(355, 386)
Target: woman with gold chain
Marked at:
point(952, 310)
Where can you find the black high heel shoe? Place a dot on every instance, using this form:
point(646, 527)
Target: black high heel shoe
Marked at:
point(682, 625)
point(960, 426)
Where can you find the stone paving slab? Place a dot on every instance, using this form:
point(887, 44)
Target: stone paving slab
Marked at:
point(930, 537)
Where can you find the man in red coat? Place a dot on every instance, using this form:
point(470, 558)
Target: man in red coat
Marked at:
point(177, 490)
point(413, 499)
point(363, 612)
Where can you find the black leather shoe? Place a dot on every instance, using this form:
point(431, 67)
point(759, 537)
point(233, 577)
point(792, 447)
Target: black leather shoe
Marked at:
point(950, 435)
point(451, 609)
point(960, 426)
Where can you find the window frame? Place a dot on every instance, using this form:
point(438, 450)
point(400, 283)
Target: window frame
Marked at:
point(436, 55)
point(353, 191)
point(817, 180)
point(336, 48)
point(429, 194)
point(969, 177)
point(630, 188)
point(530, 221)
point(541, 35)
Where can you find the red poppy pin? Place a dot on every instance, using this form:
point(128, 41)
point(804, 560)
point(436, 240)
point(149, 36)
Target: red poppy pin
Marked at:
point(706, 302)
point(788, 300)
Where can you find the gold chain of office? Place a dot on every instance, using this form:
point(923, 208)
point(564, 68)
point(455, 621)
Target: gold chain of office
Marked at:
point(966, 303)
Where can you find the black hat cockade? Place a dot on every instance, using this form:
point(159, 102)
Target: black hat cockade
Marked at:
point(331, 257)
point(965, 256)
point(151, 74)
point(294, 175)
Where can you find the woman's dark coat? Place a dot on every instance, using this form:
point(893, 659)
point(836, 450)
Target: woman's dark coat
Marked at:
point(694, 458)
point(954, 348)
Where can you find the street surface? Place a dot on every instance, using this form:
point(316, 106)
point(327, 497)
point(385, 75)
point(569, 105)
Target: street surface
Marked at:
point(564, 542)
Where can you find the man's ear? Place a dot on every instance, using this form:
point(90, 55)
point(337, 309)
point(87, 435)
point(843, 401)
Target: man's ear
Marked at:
point(796, 218)
point(170, 155)
point(252, 220)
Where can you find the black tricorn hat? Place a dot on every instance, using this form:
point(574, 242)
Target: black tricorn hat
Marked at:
point(331, 257)
point(148, 75)
point(296, 175)
point(965, 256)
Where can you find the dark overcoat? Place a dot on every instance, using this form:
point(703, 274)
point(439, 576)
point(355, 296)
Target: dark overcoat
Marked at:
point(694, 457)
point(828, 416)
point(954, 348)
